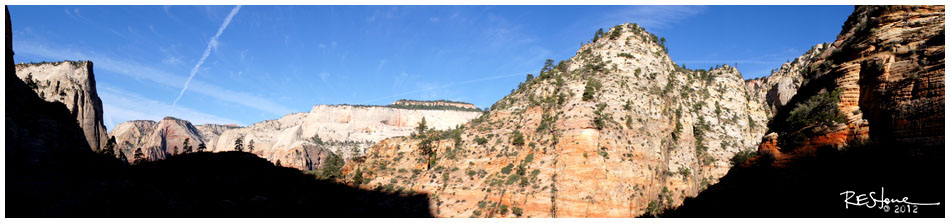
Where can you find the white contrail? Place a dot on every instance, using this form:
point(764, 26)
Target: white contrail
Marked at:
point(213, 42)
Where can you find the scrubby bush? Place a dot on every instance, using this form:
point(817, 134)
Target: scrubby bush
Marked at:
point(616, 32)
point(481, 141)
point(821, 109)
point(590, 89)
point(600, 117)
point(507, 169)
point(741, 157)
point(517, 138)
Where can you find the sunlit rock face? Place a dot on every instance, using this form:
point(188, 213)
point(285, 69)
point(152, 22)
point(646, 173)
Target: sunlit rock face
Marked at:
point(73, 84)
point(887, 66)
point(618, 130)
point(343, 130)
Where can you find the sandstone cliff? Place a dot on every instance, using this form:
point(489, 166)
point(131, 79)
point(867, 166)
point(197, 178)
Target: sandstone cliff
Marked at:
point(73, 84)
point(882, 79)
point(778, 88)
point(345, 130)
point(618, 130)
point(868, 114)
point(302, 140)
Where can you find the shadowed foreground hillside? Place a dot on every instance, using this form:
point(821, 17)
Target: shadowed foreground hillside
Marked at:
point(52, 172)
point(812, 186)
point(229, 184)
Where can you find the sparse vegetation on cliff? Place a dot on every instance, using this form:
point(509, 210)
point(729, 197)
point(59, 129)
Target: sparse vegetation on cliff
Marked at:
point(434, 105)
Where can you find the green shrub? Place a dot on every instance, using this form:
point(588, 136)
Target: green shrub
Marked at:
point(616, 33)
point(590, 89)
point(600, 117)
point(546, 122)
point(684, 172)
point(517, 138)
point(652, 208)
point(330, 169)
point(517, 211)
point(507, 169)
point(481, 141)
point(821, 109)
point(512, 179)
point(742, 157)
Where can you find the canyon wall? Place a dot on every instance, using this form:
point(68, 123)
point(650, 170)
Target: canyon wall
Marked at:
point(72, 83)
point(619, 130)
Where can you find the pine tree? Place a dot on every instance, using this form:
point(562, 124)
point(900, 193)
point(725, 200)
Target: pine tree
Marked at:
point(202, 147)
point(421, 129)
point(110, 147)
point(548, 66)
point(186, 147)
point(250, 146)
point(239, 144)
point(358, 177)
point(138, 156)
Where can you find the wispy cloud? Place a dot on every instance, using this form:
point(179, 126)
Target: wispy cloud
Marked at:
point(652, 17)
point(121, 105)
point(143, 72)
point(211, 44)
point(381, 63)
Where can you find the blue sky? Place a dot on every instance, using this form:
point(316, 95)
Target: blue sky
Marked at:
point(263, 62)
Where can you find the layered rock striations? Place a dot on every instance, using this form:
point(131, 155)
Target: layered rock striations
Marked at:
point(882, 79)
point(346, 130)
point(618, 130)
point(73, 84)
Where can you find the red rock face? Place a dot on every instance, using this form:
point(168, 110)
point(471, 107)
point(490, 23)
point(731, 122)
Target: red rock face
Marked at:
point(650, 135)
point(888, 63)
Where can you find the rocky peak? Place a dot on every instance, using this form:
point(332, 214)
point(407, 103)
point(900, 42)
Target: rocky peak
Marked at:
point(72, 83)
point(618, 130)
point(883, 79)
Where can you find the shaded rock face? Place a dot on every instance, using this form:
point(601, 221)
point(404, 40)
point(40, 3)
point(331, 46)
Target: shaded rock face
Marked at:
point(158, 140)
point(343, 131)
point(778, 88)
point(618, 130)
point(888, 65)
point(73, 84)
point(38, 132)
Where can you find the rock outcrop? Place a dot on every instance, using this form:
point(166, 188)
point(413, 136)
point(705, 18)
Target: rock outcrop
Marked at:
point(618, 130)
point(778, 88)
point(869, 114)
point(883, 80)
point(73, 84)
point(302, 140)
point(346, 130)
